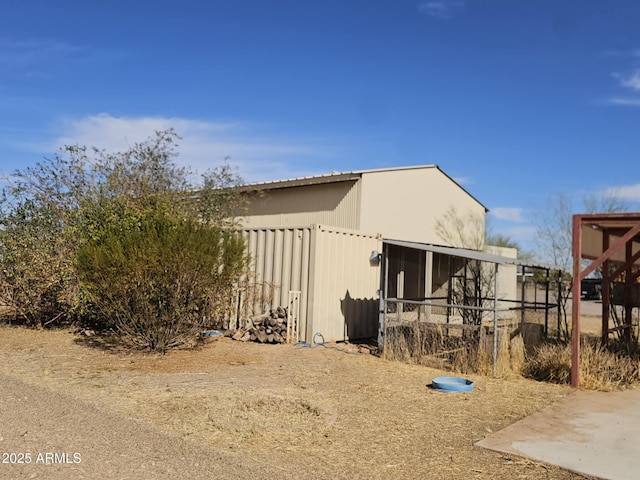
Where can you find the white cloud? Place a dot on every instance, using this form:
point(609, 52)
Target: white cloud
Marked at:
point(626, 192)
point(443, 9)
point(632, 81)
point(205, 144)
point(463, 180)
point(37, 55)
point(522, 235)
point(625, 102)
point(507, 213)
point(634, 53)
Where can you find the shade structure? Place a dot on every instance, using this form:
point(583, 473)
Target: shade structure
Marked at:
point(610, 241)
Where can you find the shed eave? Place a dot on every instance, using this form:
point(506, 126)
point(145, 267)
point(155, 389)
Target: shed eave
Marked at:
point(468, 253)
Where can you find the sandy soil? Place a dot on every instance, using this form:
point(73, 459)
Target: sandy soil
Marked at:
point(234, 410)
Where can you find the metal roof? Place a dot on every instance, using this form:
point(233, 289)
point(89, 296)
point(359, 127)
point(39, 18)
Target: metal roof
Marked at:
point(326, 178)
point(335, 177)
point(468, 253)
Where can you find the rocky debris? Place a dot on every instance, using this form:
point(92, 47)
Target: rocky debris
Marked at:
point(85, 332)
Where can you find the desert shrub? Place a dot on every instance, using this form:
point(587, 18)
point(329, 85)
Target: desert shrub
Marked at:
point(103, 202)
point(37, 278)
point(159, 283)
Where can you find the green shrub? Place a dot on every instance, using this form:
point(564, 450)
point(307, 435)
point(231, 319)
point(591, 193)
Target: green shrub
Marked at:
point(161, 282)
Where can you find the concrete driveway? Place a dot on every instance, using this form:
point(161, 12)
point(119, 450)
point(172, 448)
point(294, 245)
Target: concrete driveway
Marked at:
point(592, 433)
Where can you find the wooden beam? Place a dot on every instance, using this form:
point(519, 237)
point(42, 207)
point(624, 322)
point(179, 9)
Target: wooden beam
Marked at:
point(616, 273)
point(632, 232)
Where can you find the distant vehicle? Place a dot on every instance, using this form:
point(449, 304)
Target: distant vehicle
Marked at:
point(591, 289)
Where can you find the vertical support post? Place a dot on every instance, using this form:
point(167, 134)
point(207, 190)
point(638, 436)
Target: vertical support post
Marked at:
point(465, 296)
point(523, 292)
point(575, 300)
point(293, 322)
point(629, 282)
point(559, 300)
point(400, 279)
point(546, 303)
point(428, 281)
point(606, 290)
point(495, 325)
point(382, 306)
point(449, 288)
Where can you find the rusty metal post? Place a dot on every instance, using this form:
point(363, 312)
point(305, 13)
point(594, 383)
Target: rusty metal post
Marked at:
point(495, 324)
point(606, 282)
point(576, 249)
point(629, 282)
point(523, 292)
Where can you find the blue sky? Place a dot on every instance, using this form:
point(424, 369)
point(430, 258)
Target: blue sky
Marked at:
point(516, 99)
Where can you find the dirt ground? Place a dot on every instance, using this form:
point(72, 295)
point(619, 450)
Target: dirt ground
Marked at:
point(243, 410)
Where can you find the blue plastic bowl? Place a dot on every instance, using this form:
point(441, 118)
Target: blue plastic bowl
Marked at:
point(452, 384)
point(212, 333)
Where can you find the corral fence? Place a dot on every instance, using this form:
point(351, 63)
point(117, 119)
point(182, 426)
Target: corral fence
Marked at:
point(463, 309)
point(490, 338)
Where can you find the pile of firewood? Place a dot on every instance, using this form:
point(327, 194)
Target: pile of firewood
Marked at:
point(267, 328)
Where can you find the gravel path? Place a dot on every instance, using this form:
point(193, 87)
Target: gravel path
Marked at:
point(68, 439)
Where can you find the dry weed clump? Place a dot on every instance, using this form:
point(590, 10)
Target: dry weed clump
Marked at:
point(511, 352)
point(549, 363)
point(449, 348)
point(432, 345)
point(600, 368)
point(517, 353)
point(436, 346)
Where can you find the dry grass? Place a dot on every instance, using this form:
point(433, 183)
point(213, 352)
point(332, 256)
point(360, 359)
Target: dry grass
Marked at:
point(432, 345)
point(600, 369)
point(311, 413)
point(517, 353)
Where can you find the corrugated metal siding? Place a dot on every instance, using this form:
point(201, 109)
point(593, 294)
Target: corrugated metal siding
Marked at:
point(343, 292)
point(331, 268)
point(280, 257)
point(332, 204)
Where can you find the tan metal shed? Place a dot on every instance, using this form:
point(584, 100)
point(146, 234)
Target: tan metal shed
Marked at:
point(323, 266)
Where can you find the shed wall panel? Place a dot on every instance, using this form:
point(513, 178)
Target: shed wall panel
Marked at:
point(345, 285)
point(329, 204)
point(280, 258)
point(406, 204)
point(330, 266)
